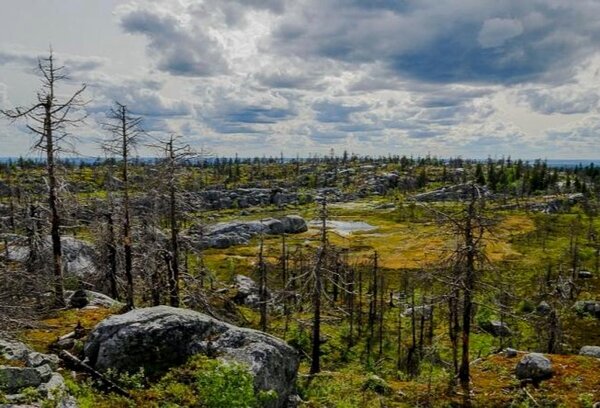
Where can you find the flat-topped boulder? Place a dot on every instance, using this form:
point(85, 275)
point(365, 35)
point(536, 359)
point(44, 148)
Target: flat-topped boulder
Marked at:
point(226, 234)
point(160, 337)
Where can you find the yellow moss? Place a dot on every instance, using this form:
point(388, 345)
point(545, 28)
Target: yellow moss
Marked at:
point(61, 323)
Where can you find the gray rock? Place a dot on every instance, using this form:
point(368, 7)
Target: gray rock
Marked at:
point(56, 384)
point(14, 379)
point(510, 352)
point(585, 275)
point(543, 308)
point(294, 224)
point(534, 367)
point(496, 328)
point(591, 351)
point(247, 292)
point(419, 311)
point(13, 350)
point(274, 227)
point(78, 299)
point(161, 337)
point(78, 256)
point(94, 299)
point(35, 359)
point(588, 307)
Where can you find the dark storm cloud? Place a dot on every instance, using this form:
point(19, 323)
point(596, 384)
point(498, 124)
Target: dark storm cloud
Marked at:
point(447, 41)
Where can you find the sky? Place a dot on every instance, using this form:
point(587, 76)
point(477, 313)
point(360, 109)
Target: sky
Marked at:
point(470, 78)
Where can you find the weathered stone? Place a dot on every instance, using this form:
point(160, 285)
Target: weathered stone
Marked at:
point(589, 307)
point(35, 359)
point(294, 224)
point(78, 299)
point(510, 352)
point(55, 384)
point(160, 337)
point(585, 275)
point(496, 328)
point(591, 351)
point(93, 299)
point(543, 308)
point(247, 292)
point(14, 379)
point(534, 367)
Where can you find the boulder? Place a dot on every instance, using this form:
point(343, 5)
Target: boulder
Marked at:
point(160, 337)
point(543, 308)
point(496, 328)
point(534, 367)
point(510, 352)
point(78, 299)
point(591, 351)
point(90, 298)
point(247, 292)
point(294, 224)
point(78, 256)
point(588, 307)
point(14, 379)
point(585, 275)
point(273, 226)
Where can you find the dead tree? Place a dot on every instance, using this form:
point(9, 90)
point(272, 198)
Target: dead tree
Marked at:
point(125, 130)
point(317, 272)
point(49, 119)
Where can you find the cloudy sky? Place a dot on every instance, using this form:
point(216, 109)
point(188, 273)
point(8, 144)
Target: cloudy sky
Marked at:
point(475, 78)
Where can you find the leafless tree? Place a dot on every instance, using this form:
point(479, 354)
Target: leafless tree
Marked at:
point(125, 130)
point(49, 118)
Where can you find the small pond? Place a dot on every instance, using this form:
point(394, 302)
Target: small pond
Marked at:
point(344, 228)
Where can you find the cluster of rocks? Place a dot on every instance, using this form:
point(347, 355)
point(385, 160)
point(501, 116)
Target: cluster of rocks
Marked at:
point(555, 205)
point(161, 337)
point(227, 234)
point(25, 370)
point(459, 192)
point(250, 197)
point(588, 307)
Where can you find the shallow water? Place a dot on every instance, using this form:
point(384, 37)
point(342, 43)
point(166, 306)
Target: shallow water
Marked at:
point(345, 228)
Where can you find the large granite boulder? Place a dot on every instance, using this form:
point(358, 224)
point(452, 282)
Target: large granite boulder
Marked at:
point(590, 351)
point(79, 258)
point(226, 234)
point(294, 224)
point(160, 337)
point(534, 367)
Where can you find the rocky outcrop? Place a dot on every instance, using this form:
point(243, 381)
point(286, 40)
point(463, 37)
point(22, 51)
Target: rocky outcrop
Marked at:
point(27, 369)
point(227, 234)
point(250, 197)
point(86, 298)
point(591, 351)
point(160, 337)
point(534, 367)
point(78, 256)
point(459, 192)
